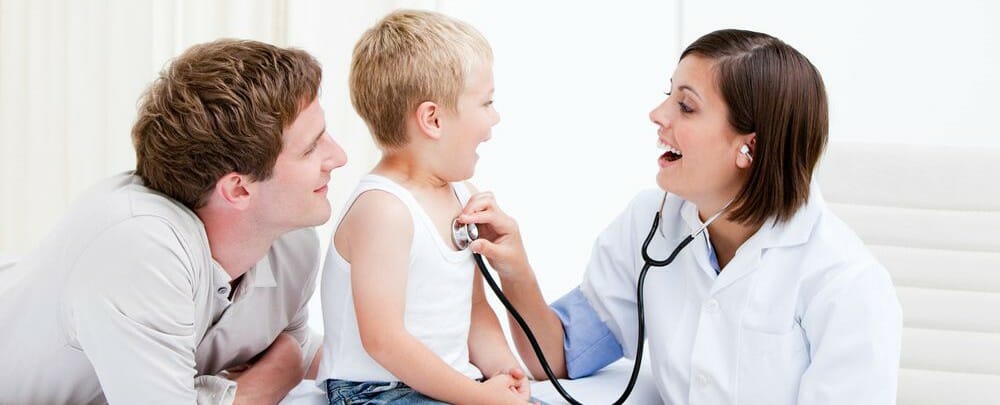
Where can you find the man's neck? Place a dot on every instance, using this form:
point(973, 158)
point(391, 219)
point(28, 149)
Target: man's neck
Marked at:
point(236, 242)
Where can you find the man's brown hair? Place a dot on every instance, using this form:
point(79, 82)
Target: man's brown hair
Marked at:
point(771, 89)
point(220, 107)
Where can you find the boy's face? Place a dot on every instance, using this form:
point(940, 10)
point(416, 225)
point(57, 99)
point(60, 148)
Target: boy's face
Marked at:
point(295, 195)
point(463, 130)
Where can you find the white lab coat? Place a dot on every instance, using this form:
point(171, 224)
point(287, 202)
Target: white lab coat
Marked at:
point(802, 314)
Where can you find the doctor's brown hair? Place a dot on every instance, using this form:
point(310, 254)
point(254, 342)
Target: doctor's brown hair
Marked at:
point(774, 91)
point(220, 107)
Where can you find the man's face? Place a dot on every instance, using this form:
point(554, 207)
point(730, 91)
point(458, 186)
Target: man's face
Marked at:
point(295, 195)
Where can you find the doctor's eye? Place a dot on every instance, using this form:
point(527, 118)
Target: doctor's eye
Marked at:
point(684, 108)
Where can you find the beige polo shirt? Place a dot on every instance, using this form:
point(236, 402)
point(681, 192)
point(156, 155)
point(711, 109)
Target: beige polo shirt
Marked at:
point(123, 303)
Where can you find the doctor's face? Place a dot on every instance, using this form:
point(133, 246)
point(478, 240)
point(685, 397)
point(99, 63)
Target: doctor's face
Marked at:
point(699, 149)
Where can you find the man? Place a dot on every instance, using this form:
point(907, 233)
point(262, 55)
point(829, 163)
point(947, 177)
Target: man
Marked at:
point(187, 280)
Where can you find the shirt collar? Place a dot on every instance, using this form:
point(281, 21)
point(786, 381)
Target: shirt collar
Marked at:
point(261, 273)
point(795, 231)
point(259, 276)
point(799, 227)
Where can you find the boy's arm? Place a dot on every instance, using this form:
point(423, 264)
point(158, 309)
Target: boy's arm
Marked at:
point(379, 232)
point(488, 348)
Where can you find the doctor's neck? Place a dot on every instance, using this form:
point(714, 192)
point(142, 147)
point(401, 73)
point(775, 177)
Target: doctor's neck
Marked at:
point(411, 168)
point(725, 235)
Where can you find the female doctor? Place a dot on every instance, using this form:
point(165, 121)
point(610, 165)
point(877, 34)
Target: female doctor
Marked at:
point(776, 302)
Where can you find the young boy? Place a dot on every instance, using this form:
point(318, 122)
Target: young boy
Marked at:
point(405, 315)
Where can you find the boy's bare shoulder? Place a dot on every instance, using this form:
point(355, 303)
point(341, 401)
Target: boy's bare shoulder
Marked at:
point(377, 211)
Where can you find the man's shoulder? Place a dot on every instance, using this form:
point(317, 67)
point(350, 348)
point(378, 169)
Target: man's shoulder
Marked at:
point(299, 249)
point(123, 196)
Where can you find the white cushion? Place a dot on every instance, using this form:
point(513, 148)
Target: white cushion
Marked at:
point(931, 214)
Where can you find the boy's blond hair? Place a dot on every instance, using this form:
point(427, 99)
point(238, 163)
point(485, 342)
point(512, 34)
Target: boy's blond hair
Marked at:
point(407, 58)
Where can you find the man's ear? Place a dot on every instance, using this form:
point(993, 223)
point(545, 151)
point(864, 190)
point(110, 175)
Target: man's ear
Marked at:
point(428, 115)
point(234, 190)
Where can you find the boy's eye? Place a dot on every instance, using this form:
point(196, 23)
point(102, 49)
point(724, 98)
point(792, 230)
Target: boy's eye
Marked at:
point(488, 103)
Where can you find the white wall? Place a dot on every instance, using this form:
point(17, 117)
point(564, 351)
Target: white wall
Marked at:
point(896, 71)
point(71, 73)
point(575, 81)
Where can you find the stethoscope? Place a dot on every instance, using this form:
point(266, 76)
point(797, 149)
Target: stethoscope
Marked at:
point(463, 234)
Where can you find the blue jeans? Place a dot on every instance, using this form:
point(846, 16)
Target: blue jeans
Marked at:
point(341, 392)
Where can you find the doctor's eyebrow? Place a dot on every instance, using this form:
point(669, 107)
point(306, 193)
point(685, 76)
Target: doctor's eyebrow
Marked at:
point(688, 88)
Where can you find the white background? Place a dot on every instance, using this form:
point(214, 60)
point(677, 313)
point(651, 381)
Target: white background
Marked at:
point(575, 82)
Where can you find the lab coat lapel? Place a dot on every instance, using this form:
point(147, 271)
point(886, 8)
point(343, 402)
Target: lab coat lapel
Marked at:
point(772, 234)
point(689, 212)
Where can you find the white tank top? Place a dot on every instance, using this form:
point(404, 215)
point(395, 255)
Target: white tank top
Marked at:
point(438, 297)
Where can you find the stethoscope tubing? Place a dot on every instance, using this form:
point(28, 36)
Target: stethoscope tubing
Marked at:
point(649, 262)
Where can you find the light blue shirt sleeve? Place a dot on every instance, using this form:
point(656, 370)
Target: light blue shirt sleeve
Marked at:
point(588, 343)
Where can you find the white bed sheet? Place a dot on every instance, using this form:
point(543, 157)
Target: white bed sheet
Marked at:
point(601, 388)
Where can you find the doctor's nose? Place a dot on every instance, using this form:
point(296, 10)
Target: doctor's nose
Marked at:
point(659, 116)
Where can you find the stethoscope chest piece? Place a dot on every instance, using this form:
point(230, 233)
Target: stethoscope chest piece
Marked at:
point(463, 234)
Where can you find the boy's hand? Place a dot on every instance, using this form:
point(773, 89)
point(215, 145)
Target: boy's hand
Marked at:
point(523, 386)
point(503, 389)
point(499, 236)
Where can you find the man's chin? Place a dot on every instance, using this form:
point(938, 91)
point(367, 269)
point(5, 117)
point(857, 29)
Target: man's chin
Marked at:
point(323, 216)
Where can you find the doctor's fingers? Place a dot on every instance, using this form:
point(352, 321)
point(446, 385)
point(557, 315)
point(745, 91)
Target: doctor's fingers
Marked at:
point(484, 201)
point(501, 223)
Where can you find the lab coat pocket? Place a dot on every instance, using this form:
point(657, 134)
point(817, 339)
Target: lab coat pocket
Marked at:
point(771, 365)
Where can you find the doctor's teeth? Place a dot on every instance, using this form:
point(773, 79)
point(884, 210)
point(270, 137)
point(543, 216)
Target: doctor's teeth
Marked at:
point(668, 148)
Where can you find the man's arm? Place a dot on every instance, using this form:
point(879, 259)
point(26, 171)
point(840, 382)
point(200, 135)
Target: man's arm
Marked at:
point(269, 379)
point(310, 343)
point(314, 366)
point(132, 307)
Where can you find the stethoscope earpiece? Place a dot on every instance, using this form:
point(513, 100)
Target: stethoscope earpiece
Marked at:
point(463, 234)
point(745, 150)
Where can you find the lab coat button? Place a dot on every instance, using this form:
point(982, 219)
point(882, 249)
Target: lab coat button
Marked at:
point(712, 306)
point(700, 380)
point(223, 290)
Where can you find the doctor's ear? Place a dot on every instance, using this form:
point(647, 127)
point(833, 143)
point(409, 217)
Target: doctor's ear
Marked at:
point(428, 116)
point(745, 157)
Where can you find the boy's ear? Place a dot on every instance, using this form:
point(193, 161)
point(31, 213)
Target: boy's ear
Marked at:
point(429, 119)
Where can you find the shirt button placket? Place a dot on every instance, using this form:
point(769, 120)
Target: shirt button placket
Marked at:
point(712, 306)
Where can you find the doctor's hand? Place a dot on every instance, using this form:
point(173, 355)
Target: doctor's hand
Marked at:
point(499, 237)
